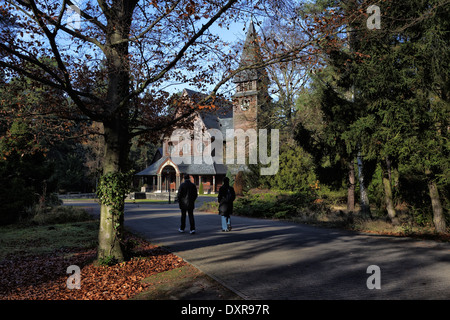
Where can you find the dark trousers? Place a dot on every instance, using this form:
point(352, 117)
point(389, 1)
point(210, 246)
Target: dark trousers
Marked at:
point(191, 219)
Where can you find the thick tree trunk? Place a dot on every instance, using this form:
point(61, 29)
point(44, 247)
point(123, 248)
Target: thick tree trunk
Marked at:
point(116, 123)
point(110, 245)
point(110, 238)
point(438, 213)
point(351, 187)
point(388, 198)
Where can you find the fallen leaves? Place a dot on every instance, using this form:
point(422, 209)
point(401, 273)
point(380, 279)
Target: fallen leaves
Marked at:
point(43, 277)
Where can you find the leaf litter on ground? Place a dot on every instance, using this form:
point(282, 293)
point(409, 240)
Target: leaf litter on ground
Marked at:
point(44, 277)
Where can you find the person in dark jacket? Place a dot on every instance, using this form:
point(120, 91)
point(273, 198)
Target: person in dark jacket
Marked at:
point(187, 194)
point(226, 197)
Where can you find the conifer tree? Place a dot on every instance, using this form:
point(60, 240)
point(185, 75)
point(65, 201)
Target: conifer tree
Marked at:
point(403, 84)
point(399, 109)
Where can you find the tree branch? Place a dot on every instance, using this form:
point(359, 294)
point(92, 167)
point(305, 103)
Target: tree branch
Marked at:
point(181, 52)
point(87, 16)
point(152, 25)
point(58, 22)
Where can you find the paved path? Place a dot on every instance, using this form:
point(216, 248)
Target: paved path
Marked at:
point(264, 259)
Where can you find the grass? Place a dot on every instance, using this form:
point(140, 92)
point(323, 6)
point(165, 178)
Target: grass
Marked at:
point(212, 206)
point(148, 201)
point(59, 214)
point(41, 239)
point(185, 283)
point(26, 240)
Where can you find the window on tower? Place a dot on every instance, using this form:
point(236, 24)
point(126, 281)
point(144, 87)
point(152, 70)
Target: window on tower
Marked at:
point(245, 86)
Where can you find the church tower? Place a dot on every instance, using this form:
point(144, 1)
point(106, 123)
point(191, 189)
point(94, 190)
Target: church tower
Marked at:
point(251, 97)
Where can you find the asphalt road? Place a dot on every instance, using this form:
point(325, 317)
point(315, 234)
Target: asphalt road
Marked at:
point(275, 260)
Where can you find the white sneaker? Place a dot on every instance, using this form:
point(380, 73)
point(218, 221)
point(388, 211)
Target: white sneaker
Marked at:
point(181, 231)
point(192, 231)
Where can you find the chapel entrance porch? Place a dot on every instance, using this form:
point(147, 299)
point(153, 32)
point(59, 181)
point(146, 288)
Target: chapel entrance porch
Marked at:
point(169, 179)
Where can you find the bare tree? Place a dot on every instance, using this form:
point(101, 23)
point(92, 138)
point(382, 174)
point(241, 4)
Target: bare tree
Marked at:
point(112, 60)
point(290, 76)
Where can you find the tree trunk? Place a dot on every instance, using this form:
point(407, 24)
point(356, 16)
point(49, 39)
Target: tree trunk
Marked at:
point(116, 124)
point(438, 213)
point(239, 183)
point(110, 237)
point(364, 198)
point(110, 245)
point(351, 187)
point(389, 201)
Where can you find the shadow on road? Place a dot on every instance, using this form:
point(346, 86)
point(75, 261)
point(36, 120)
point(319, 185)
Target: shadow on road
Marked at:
point(266, 259)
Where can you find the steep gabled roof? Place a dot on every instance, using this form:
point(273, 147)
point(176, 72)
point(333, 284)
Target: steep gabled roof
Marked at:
point(220, 118)
point(251, 54)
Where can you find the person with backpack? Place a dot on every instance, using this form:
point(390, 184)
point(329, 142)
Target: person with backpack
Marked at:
point(226, 197)
point(187, 194)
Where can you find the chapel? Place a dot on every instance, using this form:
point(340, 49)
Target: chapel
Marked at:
point(251, 95)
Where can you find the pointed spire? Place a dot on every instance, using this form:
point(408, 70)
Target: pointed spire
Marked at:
point(251, 54)
point(251, 36)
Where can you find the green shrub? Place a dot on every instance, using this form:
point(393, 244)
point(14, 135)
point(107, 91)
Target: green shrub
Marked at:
point(296, 170)
point(212, 206)
point(108, 261)
point(332, 197)
point(272, 204)
point(61, 214)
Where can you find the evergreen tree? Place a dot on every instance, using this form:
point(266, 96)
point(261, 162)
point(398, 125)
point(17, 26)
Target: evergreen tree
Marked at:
point(386, 95)
point(23, 176)
point(295, 172)
point(405, 97)
point(326, 139)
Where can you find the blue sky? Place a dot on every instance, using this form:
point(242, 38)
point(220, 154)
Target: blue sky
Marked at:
point(237, 32)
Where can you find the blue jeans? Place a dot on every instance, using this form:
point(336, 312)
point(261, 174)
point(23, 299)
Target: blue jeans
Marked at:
point(226, 223)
